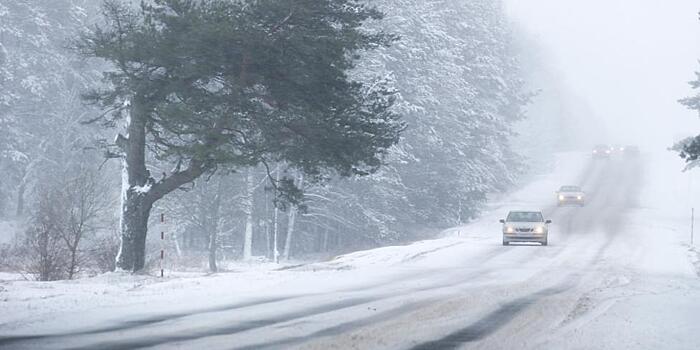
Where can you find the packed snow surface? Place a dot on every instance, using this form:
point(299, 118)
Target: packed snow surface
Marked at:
point(619, 273)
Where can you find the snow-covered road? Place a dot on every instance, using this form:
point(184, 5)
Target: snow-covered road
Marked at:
point(614, 276)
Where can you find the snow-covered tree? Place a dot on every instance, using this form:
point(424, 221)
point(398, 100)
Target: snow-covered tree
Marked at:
point(461, 93)
point(40, 84)
point(277, 90)
point(689, 149)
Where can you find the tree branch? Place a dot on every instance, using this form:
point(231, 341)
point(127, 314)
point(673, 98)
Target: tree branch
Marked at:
point(176, 180)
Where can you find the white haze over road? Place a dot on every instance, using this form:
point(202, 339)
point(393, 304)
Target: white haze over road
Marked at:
point(630, 60)
point(617, 275)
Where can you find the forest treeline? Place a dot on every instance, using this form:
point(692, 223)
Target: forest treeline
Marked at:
point(430, 93)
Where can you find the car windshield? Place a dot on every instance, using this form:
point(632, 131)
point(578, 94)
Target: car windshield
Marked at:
point(525, 216)
point(570, 189)
point(601, 147)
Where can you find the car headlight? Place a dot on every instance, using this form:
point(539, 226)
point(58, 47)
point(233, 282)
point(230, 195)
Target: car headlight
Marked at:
point(579, 197)
point(561, 198)
point(539, 229)
point(510, 229)
point(608, 152)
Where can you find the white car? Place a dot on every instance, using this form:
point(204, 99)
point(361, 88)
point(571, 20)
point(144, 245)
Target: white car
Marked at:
point(525, 226)
point(570, 195)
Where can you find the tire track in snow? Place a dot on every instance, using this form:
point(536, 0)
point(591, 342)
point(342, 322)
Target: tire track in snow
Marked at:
point(514, 306)
point(29, 341)
point(623, 184)
point(493, 321)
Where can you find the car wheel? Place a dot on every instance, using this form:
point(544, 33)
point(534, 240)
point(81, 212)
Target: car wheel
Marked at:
point(506, 243)
point(544, 243)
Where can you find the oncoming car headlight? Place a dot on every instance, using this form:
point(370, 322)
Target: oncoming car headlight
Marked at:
point(510, 229)
point(579, 197)
point(561, 197)
point(539, 229)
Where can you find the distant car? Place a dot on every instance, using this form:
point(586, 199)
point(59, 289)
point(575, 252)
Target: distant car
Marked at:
point(617, 149)
point(631, 151)
point(525, 226)
point(601, 151)
point(571, 195)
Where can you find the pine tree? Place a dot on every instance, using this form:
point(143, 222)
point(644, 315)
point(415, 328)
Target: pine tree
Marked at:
point(689, 149)
point(460, 92)
point(231, 84)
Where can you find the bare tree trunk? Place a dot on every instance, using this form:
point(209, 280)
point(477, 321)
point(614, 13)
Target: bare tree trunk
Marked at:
point(291, 219)
point(248, 210)
point(214, 228)
point(45, 261)
point(135, 206)
point(268, 251)
point(72, 267)
point(20, 199)
point(275, 252)
point(134, 226)
point(140, 190)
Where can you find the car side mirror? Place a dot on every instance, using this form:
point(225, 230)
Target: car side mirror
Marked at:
point(548, 222)
point(502, 221)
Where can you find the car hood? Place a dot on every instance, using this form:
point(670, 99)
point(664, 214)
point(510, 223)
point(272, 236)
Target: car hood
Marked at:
point(524, 224)
point(571, 194)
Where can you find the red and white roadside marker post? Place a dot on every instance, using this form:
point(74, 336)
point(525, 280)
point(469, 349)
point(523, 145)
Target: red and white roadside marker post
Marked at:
point(162, 243)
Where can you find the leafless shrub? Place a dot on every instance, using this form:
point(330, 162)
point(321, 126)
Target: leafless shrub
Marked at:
point(41, 251)
point(103, 252)
point(83, 204)
point(57, 244)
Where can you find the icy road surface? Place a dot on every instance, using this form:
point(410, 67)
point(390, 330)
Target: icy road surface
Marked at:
point(615, 276)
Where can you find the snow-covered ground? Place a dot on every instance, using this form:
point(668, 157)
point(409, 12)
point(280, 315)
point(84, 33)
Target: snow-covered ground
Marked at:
point(618, 273)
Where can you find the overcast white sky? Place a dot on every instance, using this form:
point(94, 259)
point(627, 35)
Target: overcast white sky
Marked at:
point(630, 59)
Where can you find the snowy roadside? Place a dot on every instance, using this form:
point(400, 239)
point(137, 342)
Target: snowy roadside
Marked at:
point(476, 236)
point(27, 304)
point(34, 306)
point(651, 295)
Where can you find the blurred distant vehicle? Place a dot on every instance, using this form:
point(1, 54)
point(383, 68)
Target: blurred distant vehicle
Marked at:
point(525, 226)
point(601, 151)
point(571, 195)
point(631, 151)
point(617, 149)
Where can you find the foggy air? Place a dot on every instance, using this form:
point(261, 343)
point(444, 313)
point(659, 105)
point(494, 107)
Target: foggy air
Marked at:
point(349, 174)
